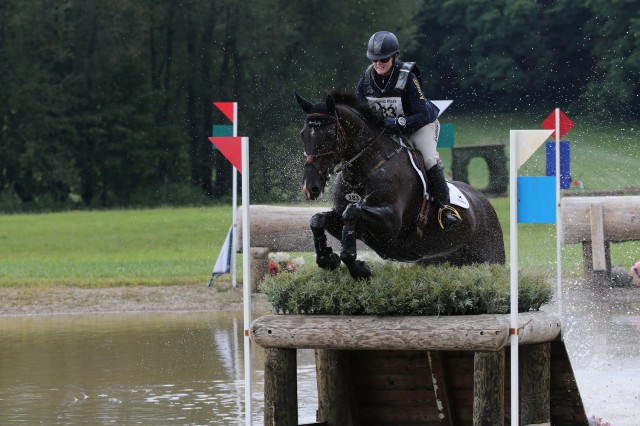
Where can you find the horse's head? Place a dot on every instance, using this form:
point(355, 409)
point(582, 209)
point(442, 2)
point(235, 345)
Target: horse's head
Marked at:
point(321, 141)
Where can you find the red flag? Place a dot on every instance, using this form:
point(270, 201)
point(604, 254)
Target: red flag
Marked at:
point(231, 148)
point(227, 109)
point(549, 123)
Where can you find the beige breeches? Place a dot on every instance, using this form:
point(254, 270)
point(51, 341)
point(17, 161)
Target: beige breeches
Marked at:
point(426, 141)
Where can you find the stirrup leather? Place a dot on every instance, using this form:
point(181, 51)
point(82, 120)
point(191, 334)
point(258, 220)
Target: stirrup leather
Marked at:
point(451, 209)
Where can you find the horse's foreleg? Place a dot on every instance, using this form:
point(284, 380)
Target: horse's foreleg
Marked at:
point(357, 268)
point(325, 257)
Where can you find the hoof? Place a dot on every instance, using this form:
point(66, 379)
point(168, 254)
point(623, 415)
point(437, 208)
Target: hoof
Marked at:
point(359, 270)
point(330, 261)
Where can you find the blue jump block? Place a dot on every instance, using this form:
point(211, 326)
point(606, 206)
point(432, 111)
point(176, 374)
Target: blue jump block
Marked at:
point(536, 199)
point(565, 160)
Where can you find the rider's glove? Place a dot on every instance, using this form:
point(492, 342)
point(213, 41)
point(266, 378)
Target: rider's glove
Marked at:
point(391, 124)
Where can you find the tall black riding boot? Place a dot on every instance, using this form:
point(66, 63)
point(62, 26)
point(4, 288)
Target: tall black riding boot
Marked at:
point(448, 217)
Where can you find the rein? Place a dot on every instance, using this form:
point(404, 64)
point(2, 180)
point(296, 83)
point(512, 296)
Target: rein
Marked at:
point(340, 136)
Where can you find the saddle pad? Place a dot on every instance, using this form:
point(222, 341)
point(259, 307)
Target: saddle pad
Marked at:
point(457, 197)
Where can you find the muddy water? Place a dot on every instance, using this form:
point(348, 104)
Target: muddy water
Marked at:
point(187, 368)
point(602, 333)
point(128, 369)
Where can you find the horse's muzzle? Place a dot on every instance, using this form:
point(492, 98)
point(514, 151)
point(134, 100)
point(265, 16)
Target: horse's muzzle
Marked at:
point(314, 192)
point(313, 182)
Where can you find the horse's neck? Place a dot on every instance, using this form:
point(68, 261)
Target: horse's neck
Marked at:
point(364, 149)
point(357, 132)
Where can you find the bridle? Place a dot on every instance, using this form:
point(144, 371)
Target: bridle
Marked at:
point(339, 132)
point(338, 143)
point(323, 120)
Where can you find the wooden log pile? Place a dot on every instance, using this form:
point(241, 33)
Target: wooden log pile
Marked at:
point(419, 370)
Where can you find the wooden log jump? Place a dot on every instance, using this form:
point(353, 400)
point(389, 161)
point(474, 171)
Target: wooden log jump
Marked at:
point(595, 222)
point(282, 228)
point(279, 228)
point(420, 370)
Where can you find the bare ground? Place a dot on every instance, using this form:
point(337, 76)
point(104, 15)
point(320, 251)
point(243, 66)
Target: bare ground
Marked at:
point(70, 300)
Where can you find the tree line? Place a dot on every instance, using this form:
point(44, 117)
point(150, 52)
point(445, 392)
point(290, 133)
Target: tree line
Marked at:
point(109, 104)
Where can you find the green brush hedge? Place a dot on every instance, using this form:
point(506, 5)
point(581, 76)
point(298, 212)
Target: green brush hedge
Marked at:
point(399, 290)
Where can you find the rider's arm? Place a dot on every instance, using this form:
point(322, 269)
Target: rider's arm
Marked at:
point(423, 112)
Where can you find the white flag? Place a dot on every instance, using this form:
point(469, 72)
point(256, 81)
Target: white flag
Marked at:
point(223, 264)
point(442, 105)
point(528, 141)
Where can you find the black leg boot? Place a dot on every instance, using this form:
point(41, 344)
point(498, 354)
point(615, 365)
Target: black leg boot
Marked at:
point(448, 217)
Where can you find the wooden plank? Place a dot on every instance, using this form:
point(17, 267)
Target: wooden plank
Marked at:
point(473, 332)
point(621, 218)
point(488, 388)
point(333, 379)
point(535, 384)
point(566, 403)
point(280, 388)
point(389, 380)
point(597, 237)
point(401, 361)
point(441, 388)
point(377, 415)
point(393, 387)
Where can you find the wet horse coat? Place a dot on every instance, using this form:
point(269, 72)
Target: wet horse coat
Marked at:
point(377, 196)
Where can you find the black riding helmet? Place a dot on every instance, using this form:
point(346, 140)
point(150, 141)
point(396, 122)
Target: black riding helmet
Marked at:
point(382, 45)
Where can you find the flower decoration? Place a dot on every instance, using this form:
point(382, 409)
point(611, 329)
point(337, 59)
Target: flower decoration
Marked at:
point(280, 261)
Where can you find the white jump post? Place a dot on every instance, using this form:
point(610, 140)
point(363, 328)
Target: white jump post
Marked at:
point(234, 202)
point(522, 144)
point(558, 221)
point(236, 150)
point(246, 280)
point(513, 243)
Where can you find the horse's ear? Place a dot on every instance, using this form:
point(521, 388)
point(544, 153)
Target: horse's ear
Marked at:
point(304, 104)
point(330, 103)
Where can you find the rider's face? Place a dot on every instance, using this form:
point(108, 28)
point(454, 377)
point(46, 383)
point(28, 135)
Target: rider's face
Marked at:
point(381, 67)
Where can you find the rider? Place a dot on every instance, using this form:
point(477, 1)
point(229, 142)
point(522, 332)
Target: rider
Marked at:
point(394, 87)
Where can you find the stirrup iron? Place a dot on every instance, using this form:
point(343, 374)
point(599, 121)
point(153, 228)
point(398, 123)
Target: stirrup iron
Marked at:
point(451, 209)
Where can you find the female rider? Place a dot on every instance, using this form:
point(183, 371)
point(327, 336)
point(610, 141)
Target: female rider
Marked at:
point(394, 87)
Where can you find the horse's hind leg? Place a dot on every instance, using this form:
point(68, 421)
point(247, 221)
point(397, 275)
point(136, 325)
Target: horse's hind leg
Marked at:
point(357, 268)
point(325, 257)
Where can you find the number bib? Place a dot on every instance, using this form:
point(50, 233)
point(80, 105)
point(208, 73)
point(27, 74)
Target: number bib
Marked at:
point(390, 107)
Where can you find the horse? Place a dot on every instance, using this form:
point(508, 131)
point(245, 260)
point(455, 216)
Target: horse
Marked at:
point(378, 196)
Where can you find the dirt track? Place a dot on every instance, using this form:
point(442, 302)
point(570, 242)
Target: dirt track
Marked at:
point(67, 300)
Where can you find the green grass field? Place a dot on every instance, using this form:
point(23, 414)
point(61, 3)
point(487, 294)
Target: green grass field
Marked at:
point(180, 245)
point(103, 248)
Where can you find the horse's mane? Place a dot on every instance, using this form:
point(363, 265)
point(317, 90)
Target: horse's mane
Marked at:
point(373, 117)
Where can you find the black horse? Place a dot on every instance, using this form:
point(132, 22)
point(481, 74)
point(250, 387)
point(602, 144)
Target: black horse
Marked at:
point(377, 195)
